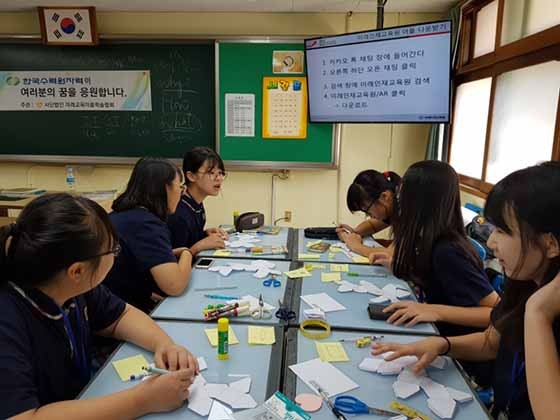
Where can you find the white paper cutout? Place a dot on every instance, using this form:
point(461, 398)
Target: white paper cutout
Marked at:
point(404, 389)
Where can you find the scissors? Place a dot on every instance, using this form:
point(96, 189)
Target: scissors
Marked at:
point(261, 313)
point(351, 405)
point(271, 281)
point(284, 313)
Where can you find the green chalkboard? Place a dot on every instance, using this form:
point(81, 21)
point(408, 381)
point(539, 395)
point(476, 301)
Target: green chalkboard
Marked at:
point(183, 108)
point(241, 68)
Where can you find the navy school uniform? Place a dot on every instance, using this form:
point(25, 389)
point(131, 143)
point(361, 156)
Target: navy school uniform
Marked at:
point(39, 362)
point(145, 243)
point(187, 224)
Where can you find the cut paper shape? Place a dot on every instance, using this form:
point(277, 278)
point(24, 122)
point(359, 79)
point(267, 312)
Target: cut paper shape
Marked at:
point(379, 299)
point(390, 292)
point(223, 270)
point(212, 334)
point(331, 379)
point(236, 399)
point(300, 272)
point(404, 390)
point(401, 293)
point(309, 256)
point(323, 301)
point(219, 412)
point(222, 253)
point(242, 385)
point(434, 390)
point(314, 313)
point(130, 366)
point(331, 352)
point(443, 408)
point(201, 363)
point(309, 402)
point(214, 390)
point(459, 396)
point(371, 288)
point(346, 286)
point(328, 277)
point(199, 400)
point(360, 259)
point(360, 289)
point(409, 377)
point(389, 368)
point(439, 362)
point(369, 364)
point(260, 335)
point(342, 268)
point(265, 272)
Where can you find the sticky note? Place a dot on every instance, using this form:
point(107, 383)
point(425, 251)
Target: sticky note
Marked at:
point(130, 366)
point(300, 272)
point(212, 334)
point(311, 243)
point(328, 277)
point(335, 249)
point(331, 352)
point(314, 266)
point(222, 253)
point(360, 260)
point(261, 335)
point(309, 256)
point(343, 268)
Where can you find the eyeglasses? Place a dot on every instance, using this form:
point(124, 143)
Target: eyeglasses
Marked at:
point(214, 175)
point(116, 250)
point(366, 211)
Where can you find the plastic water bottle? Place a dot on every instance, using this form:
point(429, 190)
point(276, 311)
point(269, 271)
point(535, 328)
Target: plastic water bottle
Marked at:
point(70, 179)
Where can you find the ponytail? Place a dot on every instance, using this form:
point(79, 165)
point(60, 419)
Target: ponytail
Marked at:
point(369, 185)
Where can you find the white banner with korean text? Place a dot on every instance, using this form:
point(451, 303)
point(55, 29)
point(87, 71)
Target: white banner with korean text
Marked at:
point(112, 90)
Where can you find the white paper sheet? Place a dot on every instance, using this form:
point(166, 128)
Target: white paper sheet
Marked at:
point(242, 385)
point(404, 389)
point(369, 364)
point(323, 301)
point(332, 380)
point(220, 412)
point(443, 408)
point(202, 363)
point(199, 400)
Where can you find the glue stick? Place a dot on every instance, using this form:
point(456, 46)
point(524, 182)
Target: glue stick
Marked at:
point(223, 339)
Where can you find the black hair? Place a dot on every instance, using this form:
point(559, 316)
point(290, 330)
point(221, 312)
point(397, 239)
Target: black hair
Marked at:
point(146, 187)
point(51, 233)
point(368, 186)
point(428, 211)
point(531, 196)
point(194, 160)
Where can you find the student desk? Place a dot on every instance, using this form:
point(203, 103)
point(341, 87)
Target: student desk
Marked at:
point(263, 363)
point(338, 257)
point(355, 316)
point(375, 389)
point(284, 238)
point(189, 306)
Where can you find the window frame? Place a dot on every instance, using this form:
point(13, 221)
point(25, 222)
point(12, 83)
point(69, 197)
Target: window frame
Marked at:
point(534, 49)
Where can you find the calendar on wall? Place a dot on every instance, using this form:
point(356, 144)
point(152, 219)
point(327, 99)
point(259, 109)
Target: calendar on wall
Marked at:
point(284, 107)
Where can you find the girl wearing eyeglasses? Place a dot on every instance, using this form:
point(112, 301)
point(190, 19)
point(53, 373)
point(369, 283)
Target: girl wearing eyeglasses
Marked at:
point(53, 260)
point(149, 267)
point(204, 174)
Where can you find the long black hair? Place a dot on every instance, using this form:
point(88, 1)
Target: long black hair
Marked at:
point(146, 186)
point(51, 233)
point(532, 197)
point(194, 160)
point(368, 186)
point(428, 211)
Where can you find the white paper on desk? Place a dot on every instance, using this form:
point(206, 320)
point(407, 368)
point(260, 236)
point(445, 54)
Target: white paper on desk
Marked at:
point(215, 390)
point(265, 272)
point(332, 380)
point(199, 400)
point(323, 301)
point(390, 292)
point(468, 215)
point(223, 270)
point(434, 390)
point(439, 362)
point(369, 364)
point(404, 389)
point(443, 408)
point(371, 288)
point(201, 363)
point(242, 385)
point(263, 264)
point(220, 412)
point(345, 286)
point(314, 313)
point(236, 399)
point(410, 377)
point(402, 293)
point(459, 396)
point(379, 299)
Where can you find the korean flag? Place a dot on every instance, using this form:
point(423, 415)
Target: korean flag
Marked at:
point(68, 26)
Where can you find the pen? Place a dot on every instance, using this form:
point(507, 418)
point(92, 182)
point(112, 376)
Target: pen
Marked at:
point(353, 274)
point(344, 229)
point(222, 297)
point(155, 370)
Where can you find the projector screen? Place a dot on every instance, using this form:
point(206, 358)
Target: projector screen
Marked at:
point(399, 74)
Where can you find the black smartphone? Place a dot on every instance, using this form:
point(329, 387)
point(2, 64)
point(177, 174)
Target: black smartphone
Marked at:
point(375, 311)
point(204, 263)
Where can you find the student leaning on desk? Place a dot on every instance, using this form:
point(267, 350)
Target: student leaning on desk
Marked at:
point(53, 260)
point(372, 193)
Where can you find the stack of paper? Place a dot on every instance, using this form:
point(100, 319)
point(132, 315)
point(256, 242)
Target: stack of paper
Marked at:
point(332, 380)
point(323, 301)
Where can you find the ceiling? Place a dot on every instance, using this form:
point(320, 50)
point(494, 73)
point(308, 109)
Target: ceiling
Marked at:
point(238, 5)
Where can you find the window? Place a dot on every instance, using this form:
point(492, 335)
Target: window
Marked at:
point(506, 104)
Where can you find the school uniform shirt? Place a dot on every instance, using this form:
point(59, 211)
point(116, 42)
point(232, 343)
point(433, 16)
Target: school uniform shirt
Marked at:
point(187, 223)
point(145, 243)
point(38, 364)
point(456, 281)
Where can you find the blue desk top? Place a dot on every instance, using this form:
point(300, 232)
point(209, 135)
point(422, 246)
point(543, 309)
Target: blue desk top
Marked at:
point(280, 239)
point(356, 316)
point(375, 390)
point(263, 363)
point(338, 257)
point(189, 305)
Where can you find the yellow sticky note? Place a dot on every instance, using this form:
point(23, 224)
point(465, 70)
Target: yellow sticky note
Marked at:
point(327, 277)
point(130, 366)
point(222, 253)
point(343, 268)
point(212, 334)
point(335, 249)
point(360, 260)
point(309, 256)
point(331, 352)
point(314, 266)
point(261, 335)
point(300, 272)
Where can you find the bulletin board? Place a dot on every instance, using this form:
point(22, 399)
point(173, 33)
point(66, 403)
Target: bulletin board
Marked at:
point(241, 69)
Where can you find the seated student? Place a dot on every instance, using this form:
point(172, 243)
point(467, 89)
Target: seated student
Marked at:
point(148, 267)
point(204, 174)
point(524, 335)
point(431, 249)
point(53, 260)
point(373, 193)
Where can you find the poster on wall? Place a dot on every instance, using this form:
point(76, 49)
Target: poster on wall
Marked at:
point(285, 107)
point(287, 62)
point(240, 115)
point(127, 90)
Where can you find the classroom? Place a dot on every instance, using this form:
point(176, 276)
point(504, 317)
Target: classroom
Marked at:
point(280, 209)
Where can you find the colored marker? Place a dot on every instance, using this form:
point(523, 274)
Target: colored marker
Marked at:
point(155, 370)
point(222, 297)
